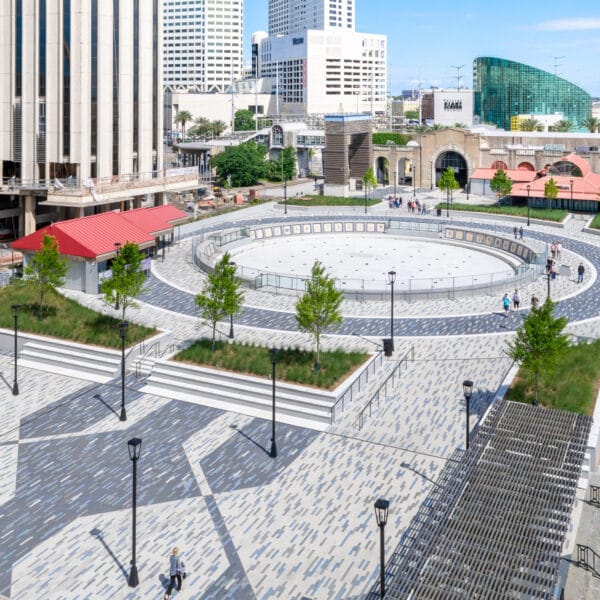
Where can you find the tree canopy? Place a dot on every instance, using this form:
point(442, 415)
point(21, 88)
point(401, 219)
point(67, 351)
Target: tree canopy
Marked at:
point(284, 167)
point(319, 307)
point(384, 137)
point(563, 125)
point(369, 180)
point(592, 124)
point(181, 118)
point(550, 190)
point(530, 124)
point(245, 163)
point(46, 269)
point(501, 184)
point(539, 344)
point(126, 280)
point(221, 295)
point(244, 120)
point(448, 181)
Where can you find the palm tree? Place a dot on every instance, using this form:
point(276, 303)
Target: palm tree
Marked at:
point(202, 126)
point(181, 118)
point(563, 125)
point(530, 125)
point(592, 123)
point(218, 127)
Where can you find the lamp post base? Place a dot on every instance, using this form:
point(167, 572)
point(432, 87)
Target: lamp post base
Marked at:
point(123, 416)
point(15, 389)
point(273, 452)
point(133, 580)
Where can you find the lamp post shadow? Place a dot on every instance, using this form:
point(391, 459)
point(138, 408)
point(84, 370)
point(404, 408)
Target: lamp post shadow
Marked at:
point(235, 428)
point(97, 533)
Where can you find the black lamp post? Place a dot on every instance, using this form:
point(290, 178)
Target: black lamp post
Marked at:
point(15, 309)
point(117, 250)
point(392, 280)
point(528, 190)
point(273, 352)
point(231, 315)
point(365, 184)
point(548, 275)
point(381, 514)
point(468, 392)
point(135, 449)
point(123, 333)
point(395, 178)
point(448, 203)
point(412, 168)
point(571, 182)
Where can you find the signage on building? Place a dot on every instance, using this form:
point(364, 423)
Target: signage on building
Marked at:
point(452, 104)
point(298, 40)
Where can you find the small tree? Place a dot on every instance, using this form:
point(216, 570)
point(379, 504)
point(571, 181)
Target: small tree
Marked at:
point(448, 182)
point(245, 163)
point(46, 269)
point(501, 184)
point(126, 280)
point(530, 124)
point(244, 120)
point(319, 307)
point(563, 125)
point(181, 118)
point(591, 123)
point(539, 344)
point(550, 191)
point(221, 295)
point(369, 181)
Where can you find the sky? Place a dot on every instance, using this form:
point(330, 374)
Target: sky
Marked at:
point(428, 40)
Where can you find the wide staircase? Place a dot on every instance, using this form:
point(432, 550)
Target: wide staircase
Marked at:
point(253, 396)
point(91, 363)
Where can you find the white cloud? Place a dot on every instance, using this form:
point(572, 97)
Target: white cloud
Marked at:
point(578, 24)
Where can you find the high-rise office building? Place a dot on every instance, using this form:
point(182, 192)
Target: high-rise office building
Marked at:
point(202, 42)
point(80, 98)
point(318, 63)
point(294, 16)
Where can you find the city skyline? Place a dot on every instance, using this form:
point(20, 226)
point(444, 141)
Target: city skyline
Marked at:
point(543, 38)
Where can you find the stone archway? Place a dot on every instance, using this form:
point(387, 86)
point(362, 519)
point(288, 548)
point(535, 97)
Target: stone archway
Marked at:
point(456, 162)
point(382, 170)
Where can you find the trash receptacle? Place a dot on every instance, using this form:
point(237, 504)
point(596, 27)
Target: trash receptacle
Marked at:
point(438, 212)
point(388, 346)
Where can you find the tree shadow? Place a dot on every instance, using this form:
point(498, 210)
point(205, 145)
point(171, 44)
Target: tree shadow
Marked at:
point(97, 533)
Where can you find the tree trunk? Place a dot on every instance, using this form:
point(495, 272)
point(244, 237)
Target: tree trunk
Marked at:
point(214, 335)
point(535, 387)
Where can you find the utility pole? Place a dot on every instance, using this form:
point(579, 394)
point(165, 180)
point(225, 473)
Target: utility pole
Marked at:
point(232, 103)
point(458, 75)
point(556, 64)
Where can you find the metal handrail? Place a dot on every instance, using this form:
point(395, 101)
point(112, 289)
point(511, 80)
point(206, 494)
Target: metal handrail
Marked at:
point(375, 363)
point(361, 417)
point(140, 362)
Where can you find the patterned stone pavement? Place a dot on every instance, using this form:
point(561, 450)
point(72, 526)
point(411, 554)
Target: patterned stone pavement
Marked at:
point(297, 527)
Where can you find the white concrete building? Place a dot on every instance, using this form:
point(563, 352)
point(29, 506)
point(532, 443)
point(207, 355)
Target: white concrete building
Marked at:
point(453, 106)
point(319, 63)
point(203, 41)
point(81, 109)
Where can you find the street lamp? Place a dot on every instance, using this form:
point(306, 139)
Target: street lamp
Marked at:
point(15, 309)
point(528, 190)
point(365, 184)
point(231, 315)
point(123, 332)
point(117, 251)
point(135, 449)
point(273, 352)
point(381, 514)
point(468, 392)
point(392, 280)
point(548, 278)
point(413, 170)
point(571, 182)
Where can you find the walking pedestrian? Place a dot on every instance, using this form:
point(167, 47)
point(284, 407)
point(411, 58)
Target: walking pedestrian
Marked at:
point(515, 231)
point(516, 300)
point(553, 271)
point(506, 304)
point(534, 301)
point(553, 250)
point(176, 568)
point(558, 249)
point(521, 232)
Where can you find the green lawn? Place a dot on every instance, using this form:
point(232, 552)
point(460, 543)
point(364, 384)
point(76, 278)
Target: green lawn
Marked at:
point(329, 201)
point(63, 318)
point(294, 366)
point(514, 211)
point(573, 386)
point(595, 224)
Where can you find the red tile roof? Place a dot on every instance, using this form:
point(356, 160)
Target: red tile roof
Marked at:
point(94, 236)
point(512, 174)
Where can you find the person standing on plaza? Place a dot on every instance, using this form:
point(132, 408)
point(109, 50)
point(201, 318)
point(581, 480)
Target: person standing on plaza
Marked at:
point(515, 231)
point(506, 305)
point(516, 300)
point(534, 301)
point(553, 250)
point(580, 272)
point(558, 249)
point(521, 232)
point(176, 568)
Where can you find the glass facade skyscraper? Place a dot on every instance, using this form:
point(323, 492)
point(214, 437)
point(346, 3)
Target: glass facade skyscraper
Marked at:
point(504, 89)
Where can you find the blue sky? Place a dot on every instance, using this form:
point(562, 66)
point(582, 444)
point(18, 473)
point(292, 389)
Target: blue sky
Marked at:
point(425, 40)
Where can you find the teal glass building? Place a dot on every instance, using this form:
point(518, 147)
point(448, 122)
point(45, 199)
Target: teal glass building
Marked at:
point(505, 89)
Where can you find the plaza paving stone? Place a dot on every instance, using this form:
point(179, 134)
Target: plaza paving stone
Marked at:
point(297, 527)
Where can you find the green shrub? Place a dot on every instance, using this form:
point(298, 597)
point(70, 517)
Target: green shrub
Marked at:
point(331, 201)
point(400, 139)
point(546, 214)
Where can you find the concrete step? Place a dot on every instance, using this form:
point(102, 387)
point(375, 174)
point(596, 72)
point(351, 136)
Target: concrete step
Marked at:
point(90, 363)
point(252, 396)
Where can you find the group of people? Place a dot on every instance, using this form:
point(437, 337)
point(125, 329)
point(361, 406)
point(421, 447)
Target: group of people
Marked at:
point(518, 231)
point(414, 206)
point(506, 302)
point(555, 249)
